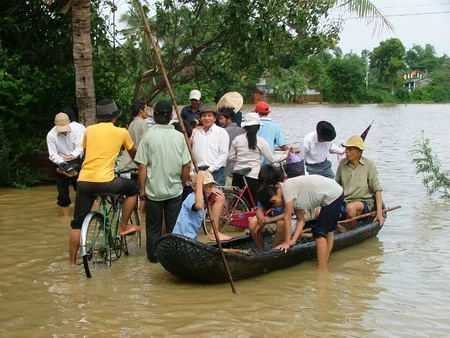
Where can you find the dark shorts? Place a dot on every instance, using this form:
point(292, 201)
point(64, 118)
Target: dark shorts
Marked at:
point(328, 217)
point(88, 191)
point(344, 209)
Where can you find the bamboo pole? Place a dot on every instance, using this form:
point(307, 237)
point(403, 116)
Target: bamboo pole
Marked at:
point(180, 120)
point(372, 213)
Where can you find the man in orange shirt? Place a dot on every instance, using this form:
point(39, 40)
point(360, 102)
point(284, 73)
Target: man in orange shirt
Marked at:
point(102, 143)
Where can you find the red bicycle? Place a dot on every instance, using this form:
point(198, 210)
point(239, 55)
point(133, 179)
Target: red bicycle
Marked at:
point(237, 208)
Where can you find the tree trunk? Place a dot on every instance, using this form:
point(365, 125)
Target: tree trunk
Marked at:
point(82, 55)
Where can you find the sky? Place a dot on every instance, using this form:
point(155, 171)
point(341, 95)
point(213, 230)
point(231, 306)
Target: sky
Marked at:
point(417, 22)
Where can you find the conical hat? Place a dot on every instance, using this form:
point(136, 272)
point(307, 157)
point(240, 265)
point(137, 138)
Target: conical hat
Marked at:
point(231, 99)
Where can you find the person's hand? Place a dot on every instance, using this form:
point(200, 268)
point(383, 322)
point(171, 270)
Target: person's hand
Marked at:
point(283, 247)
point(217, 192)
point(69, 157)
point(262, 221)
point(142, 195)
point(379, 217)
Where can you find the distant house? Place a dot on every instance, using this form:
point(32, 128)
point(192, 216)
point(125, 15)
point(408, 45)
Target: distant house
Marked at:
point(261, 93)
point(415, 80)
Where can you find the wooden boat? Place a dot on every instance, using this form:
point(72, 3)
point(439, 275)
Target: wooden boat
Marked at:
point(198, 262)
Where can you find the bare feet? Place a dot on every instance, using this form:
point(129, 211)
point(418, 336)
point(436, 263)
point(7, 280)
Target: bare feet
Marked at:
point(129, 229)
point(222, 237)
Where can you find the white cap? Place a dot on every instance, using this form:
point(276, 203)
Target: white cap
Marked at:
point(251, 119)
point(195, 95)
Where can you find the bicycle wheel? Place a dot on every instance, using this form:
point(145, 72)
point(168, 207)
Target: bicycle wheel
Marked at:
point(91, 241)
point(131, 243)
point(233, 204)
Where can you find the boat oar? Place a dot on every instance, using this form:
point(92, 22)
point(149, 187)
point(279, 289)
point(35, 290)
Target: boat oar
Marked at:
point(180, 120)
point(373, 213)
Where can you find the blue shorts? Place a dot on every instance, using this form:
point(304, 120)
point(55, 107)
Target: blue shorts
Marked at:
point(328, 217)
point(344, 209)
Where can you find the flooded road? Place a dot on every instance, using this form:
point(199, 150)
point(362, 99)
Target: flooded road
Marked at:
point(394, 285)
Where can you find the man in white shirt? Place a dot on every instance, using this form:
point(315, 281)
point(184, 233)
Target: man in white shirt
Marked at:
point(64, 147)
point(210, 145)
point(316, 147)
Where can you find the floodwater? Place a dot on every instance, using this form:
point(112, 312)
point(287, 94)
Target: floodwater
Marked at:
point(394, 285)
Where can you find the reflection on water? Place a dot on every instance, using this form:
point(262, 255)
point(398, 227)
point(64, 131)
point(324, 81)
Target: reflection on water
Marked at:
point(394, 285)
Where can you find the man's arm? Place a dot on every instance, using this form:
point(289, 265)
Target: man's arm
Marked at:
point(379, 202)
point(288, 207)
point(142, 177)
point(185, 173)
point(132, 152)
point(53, 151)
point(299, 226)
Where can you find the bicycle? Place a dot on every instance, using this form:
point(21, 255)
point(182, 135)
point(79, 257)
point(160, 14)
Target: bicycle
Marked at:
point(236, 210)
point(99, 239)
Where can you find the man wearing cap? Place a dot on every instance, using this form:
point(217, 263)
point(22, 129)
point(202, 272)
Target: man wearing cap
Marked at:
point(164, 163)
point(270, 131)
point(358, 176)
point(192, 112)
point(315, 149)
point(210, 146)
point(64, 147)
point(102, 143)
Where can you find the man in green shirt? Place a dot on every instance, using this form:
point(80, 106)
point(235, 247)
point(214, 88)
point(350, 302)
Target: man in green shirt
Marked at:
point(163, 169)
point(358, 176)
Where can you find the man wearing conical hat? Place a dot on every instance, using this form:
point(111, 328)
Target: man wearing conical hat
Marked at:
point(358, 176)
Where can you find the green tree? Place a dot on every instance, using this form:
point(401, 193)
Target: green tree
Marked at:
point(423, 59)
point(345, 80)
point(387, 60)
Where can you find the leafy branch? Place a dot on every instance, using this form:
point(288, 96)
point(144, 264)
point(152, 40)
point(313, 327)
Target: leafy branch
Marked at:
point(429, 166)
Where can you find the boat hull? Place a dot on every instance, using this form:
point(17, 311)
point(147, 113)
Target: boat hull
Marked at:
point(198, 262)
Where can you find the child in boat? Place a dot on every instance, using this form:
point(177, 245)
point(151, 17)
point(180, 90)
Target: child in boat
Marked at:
point(307, 192)
point(192, 211)
point(269, 176)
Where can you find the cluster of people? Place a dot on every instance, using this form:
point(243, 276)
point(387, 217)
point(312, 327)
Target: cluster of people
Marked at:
point(354, 191)
point(223, 144)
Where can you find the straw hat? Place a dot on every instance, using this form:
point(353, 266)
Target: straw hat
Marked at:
point(231, 99)
point(354, 141)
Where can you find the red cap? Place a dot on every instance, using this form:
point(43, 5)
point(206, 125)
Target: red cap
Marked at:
point(262, 107)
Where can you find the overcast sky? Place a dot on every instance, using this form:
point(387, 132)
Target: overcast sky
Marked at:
point(417, 22)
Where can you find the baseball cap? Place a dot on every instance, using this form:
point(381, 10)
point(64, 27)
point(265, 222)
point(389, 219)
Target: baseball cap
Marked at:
point(62, 122)
point(163, 106)
point(195, 95)
point(251, 119)
point(262, 107)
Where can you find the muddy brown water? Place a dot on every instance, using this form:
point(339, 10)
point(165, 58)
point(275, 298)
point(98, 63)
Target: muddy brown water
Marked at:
point(394, 285)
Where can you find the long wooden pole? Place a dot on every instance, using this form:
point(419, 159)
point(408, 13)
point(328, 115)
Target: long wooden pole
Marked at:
point(180, 120)
point(372, 213)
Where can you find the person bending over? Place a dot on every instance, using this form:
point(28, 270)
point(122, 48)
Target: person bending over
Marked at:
point(307, 192)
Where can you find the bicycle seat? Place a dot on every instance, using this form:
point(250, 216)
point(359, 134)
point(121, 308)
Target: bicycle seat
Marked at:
point(241, 172)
